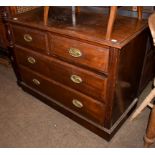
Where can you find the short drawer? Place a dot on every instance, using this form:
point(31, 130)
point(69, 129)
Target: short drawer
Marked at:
point(30, 38)
point(80, 79)
point(74, 100)
point(80, 53)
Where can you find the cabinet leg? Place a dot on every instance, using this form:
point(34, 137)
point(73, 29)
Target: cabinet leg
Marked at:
point(46, 10)
point(150, 132)
point(112, 16)
point(77, 9)
point(140, 10)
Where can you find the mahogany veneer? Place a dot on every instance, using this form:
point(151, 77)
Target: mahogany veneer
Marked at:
point(74, 69)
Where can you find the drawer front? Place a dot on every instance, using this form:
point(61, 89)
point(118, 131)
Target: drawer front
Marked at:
point(80, 53)
point(87, 82)
point(74, 100)
point(30, 38)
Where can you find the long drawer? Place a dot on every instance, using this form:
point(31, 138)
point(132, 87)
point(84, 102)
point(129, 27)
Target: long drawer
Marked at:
point(74, 100)
point(30, 38)
point(80, 53)
point(85, 81)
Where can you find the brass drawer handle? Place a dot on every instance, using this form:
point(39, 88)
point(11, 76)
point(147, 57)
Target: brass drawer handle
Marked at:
point(75, 52)
point(27, 38)
point(77, 103)
point(35, 81)
point(31, 60)
point(76, 79)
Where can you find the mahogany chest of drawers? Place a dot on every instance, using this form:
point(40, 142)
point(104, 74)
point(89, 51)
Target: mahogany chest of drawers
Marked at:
point(75, 70)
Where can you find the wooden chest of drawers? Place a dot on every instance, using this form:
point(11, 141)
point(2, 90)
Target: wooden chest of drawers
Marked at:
point(76, 71)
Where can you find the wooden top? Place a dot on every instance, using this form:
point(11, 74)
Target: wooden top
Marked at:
point(90, 26)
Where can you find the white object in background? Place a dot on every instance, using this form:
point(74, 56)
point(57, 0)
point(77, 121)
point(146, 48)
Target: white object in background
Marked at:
point(134, 8)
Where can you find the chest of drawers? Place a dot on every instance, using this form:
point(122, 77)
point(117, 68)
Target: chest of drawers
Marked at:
point(76, 71)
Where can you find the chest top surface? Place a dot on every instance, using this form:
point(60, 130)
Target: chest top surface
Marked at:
point(86, 25)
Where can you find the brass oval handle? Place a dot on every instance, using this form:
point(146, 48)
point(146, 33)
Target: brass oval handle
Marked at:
point(27, 37)
point(75, 52)
point(76, 78)
point(31, 60)
point(35, 81)
point(77, 103)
